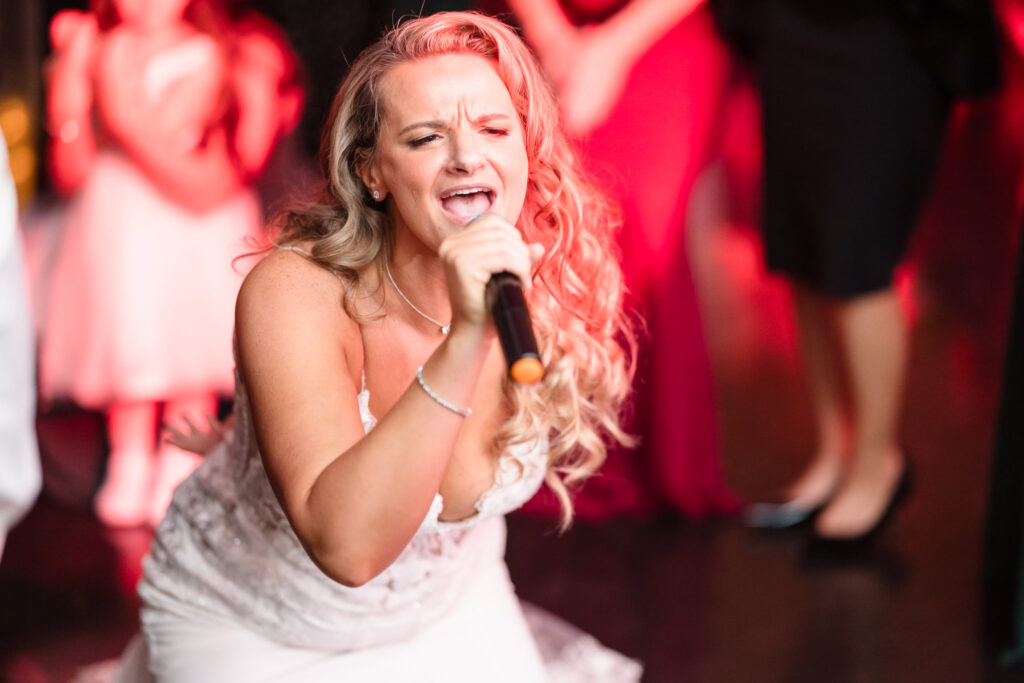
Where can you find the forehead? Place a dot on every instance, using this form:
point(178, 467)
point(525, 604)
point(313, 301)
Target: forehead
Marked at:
point(444, 86)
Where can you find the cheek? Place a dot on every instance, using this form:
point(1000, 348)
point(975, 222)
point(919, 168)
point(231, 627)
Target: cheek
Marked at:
point(521, 174)
point(411, 175)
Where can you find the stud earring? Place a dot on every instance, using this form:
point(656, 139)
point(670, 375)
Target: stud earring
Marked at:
point(376, 195)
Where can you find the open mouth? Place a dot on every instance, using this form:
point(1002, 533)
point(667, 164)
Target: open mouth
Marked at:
point(463, 203)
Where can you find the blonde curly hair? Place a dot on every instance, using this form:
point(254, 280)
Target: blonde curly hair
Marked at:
point(586, 341)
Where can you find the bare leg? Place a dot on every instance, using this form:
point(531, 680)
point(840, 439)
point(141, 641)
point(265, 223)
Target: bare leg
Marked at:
point(173, 463)
point(121, 500)
point(874, 333)
point(821, 355)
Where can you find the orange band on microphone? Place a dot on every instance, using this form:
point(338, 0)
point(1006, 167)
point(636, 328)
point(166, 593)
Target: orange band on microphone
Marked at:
point(526, 370)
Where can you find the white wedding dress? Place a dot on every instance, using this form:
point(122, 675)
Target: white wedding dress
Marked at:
point(229, 595)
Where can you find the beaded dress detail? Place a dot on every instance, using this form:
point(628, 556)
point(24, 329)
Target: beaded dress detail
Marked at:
point(234, 551)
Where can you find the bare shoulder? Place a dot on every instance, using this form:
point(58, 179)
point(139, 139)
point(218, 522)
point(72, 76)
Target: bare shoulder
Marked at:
point(285, 276)
point(289, 298)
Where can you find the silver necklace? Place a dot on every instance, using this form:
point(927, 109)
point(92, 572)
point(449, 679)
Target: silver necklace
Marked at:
point(387, 268)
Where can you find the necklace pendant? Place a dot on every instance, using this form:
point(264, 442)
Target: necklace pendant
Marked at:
point(387, 268)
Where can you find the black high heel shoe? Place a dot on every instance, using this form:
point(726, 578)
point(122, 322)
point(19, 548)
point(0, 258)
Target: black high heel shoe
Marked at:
point(790, 515)
point(851, 545)
point(784, 513)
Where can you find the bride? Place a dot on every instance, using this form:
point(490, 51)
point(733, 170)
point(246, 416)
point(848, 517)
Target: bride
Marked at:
point(349, 526)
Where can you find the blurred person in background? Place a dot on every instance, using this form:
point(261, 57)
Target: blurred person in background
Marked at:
point(162, 113)
point(855, 101)
point(20, 475)
point(1002, 569)
point(641, 84)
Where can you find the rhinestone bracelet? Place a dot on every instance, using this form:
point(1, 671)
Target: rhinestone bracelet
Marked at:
point(464, 412)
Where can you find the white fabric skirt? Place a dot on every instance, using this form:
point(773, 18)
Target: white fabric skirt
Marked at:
point(488, 636)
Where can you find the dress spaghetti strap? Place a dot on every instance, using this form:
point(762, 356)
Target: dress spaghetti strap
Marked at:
point(297, 250)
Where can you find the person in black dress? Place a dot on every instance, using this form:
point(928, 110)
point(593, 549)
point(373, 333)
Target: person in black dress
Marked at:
point(855, 99)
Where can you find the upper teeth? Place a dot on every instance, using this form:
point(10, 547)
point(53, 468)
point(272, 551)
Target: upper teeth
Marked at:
point(472, 190)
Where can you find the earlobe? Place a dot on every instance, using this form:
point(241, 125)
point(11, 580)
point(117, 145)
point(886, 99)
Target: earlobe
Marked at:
point(368, 174)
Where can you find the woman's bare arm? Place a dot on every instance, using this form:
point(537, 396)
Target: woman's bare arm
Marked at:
point(354, 501)
point(266, 86)
point(69, 99)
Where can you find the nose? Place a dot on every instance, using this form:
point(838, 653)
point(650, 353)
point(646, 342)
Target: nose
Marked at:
point(466, 155)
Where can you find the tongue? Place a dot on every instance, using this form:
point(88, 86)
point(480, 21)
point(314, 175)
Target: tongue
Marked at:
point(465, 206)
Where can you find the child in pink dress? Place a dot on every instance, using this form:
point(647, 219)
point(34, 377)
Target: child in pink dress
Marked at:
point(162, 112)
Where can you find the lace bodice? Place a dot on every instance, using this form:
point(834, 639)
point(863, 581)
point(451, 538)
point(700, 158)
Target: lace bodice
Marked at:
point(226, 547)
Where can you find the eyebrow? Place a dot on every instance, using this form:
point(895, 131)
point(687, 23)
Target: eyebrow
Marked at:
point(486, 118)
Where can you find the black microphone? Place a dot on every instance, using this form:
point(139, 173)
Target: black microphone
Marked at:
point(507, 304)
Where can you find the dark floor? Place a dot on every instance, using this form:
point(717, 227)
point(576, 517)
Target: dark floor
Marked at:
point(707, 602)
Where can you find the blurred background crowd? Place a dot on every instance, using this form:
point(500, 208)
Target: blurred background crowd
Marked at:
point(149, 141)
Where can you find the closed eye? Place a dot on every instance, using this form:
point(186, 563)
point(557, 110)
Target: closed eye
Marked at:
point(496, 131)
point(419, 142)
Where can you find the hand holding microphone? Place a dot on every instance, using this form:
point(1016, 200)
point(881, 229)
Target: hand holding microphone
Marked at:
point(507, 305)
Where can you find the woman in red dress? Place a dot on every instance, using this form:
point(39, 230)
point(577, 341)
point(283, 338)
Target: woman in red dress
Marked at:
point(641, 84)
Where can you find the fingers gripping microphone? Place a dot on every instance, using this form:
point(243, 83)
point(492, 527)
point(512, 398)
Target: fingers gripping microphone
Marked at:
point(512, 320)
